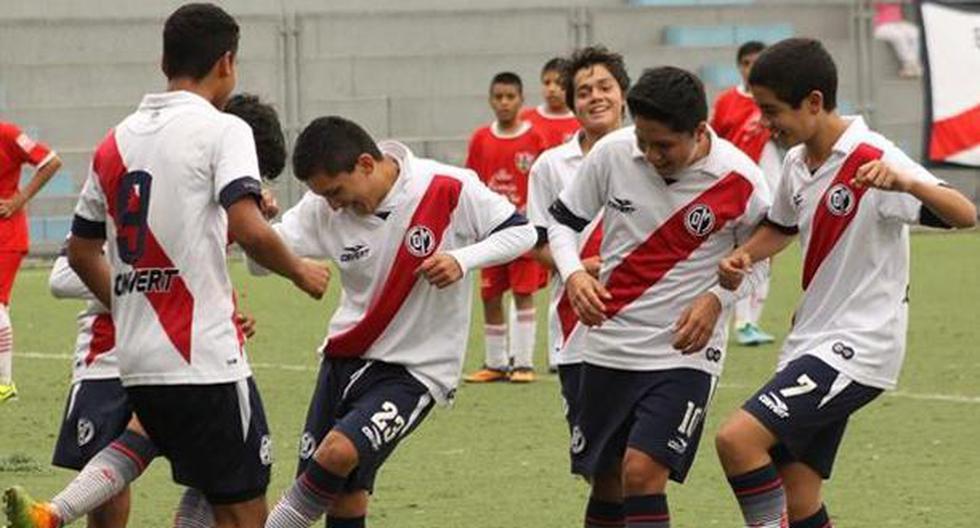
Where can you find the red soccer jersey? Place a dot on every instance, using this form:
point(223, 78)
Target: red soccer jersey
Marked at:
point(16, 148)
point(503, 161)
point(738, 119)
point(556, 129)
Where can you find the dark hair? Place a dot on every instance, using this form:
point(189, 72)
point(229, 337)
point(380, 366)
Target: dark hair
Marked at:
point(749, 48)
point(588, 57)
point(266, 129)
point(555, 64)
point(331, 144)
point(510, 78)
point(195, 36)
point(670, 95)
point(794, 68)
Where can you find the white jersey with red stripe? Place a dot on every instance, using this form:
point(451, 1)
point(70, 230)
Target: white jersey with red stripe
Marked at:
point(429, 330)
point(661, 245)
point(854, 310)
point(554, 170)
point(158, 188)
point(93, 358)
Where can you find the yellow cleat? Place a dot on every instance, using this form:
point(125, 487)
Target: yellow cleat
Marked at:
point(487, 375)
point(24, 512)
point(8, 392)
point(522, 375)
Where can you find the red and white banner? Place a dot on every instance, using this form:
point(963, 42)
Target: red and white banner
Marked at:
point(951, 40)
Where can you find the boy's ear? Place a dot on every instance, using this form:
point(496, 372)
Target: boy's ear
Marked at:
point(814, 101)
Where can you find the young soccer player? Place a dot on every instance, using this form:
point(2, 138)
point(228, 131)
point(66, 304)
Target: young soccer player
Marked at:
point(97, 410)
point(403, 231)
point(850, 194)
point(596, 82)
point(737, 119)
point(502, 153)
point(676, 199)
point(16, 149)
point(553, 118)
point(168, 186)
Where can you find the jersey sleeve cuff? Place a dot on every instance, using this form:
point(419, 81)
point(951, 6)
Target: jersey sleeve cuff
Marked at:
point(784, 229)
point(238, 189)
point(85, 228)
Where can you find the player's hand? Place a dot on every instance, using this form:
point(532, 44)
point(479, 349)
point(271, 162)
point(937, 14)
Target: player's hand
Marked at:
point(586, 295)
point(733, 268)
point(312, 277)
point(9, 206)
point(269, 205)
point(696, 325)
point(880, 175)
point(246, 323)
point(440, 270)
point(592, 265)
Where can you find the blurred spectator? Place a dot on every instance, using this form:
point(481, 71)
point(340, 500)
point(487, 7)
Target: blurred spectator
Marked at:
point(890, 25)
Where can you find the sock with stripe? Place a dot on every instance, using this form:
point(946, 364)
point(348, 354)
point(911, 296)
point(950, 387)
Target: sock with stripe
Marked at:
point(107, 474)
point(495, 339)
point(345, 522)
point(761, 497)
point(602, 514)
point(6, 347)
point(647, 511)
point(307, 499)
point(522, 339)
point(817, 520)
point(194, 511)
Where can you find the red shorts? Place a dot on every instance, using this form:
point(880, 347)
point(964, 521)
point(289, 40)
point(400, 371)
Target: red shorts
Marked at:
point(9, 264)
point(523, 276)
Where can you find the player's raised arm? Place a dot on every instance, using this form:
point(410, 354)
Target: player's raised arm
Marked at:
point(946, 204)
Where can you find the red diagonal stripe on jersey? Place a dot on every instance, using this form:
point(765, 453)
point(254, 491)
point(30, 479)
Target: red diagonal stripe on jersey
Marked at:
point(672, 242)
point(174, 308)
point(103, 338)
point(955, 134)
point(828, 227)
point(434, 212)
point(566, 314)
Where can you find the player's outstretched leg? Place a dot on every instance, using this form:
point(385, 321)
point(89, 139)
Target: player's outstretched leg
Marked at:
point(194, 511)
point(804, 503)
point(319, 486)
point(22, 511)
point(743, 447)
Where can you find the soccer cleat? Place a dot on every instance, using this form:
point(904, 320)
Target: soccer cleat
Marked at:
point(487, 375)
point(8, 392)
point(24, 512)
point(522, 375)
point(750, 335)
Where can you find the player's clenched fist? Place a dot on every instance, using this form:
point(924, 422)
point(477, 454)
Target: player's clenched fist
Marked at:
point(586, 295)
point(269, 205)
point(312, 277)
point(696, 325)
point(733, 268)
point(440, 270)
point(879, 175)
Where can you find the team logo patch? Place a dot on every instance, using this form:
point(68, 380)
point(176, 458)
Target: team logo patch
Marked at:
point(420, 241)
point(86, 431)
point(523, 161)
point(306, 446)
point(842, 350)
point(265, 450)
point(712, 354)
point(699, 220)
point(840, 200)
point(677, 445)
point(578, 441)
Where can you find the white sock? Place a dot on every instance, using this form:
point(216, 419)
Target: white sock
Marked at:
point(743, 311)
point(758, 300)
point(6, 347)
point(495, 341)
point(522, 339)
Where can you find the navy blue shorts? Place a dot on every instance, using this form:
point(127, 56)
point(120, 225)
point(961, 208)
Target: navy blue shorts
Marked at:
point(570, 377)
point(373, 403)
point(660, 413)
point(96, 413)
point(215, 436)
point(806, 406)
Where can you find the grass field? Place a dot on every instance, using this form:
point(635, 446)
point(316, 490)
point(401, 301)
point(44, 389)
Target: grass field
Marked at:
point(498, 458)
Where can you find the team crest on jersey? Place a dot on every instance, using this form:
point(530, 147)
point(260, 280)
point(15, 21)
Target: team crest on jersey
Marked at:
point(86, 431)
point(699, 220)
point(306, 446)
point(265, 450)
point(578, 441)
point(840, 200)
point(523, 161)
point(420, 241)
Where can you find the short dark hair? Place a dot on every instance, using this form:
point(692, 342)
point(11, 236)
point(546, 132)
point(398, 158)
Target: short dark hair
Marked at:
point(588, 57)
point(195, 36)
point(555, 64)
point(270, 144)
point(507, 77)
point(331, 144)
point(670, 95)
point(749, 48)
point(794, 68)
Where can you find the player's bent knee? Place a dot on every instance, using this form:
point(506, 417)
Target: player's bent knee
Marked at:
point(643, 475)
point(337, 453)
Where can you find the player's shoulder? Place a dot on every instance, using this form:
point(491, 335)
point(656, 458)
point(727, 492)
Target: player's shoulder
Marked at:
point(621, 140)
point(8, 130)
point(482, 133)
point(530, 112)
point(730, 158)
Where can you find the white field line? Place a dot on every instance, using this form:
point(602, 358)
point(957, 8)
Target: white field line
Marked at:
point(937, 397)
